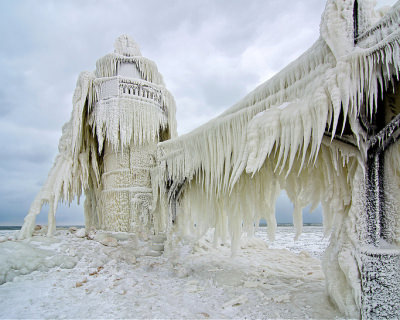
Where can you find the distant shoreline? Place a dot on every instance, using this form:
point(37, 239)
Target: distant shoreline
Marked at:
point(19, 227)
point(306, 224)
point(82, 226)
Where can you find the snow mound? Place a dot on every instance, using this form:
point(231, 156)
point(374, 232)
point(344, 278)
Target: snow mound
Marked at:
point(186, 282)
point(20, 258)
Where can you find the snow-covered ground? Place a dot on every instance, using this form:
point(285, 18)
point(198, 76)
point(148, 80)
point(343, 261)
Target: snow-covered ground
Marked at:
point(80, 278)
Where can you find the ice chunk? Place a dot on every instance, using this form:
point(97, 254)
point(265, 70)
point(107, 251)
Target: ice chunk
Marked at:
point(19, 258)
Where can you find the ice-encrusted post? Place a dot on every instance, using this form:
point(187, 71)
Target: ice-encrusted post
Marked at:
point(375, 195)
point(379, 257)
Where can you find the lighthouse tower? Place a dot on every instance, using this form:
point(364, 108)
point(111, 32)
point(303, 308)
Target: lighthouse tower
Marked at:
point(132, 113)
point(108, 148)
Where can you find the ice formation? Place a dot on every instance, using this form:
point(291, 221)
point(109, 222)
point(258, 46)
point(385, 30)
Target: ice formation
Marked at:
point(305, 131)
point(107, 149)
point(19, 258)
point(299, 131)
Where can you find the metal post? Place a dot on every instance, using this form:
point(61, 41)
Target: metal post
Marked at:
point(355, 21)
point(375, 208)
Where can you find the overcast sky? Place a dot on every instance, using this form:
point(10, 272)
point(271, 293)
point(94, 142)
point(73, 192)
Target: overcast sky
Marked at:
point(211, 53)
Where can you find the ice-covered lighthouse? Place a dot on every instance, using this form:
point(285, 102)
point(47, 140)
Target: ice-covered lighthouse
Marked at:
point(108, 148)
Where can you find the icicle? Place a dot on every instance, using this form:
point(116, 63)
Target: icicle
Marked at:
point(326, 82)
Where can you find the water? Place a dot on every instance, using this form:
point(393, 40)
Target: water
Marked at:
point(9, 230)
point(312, 239)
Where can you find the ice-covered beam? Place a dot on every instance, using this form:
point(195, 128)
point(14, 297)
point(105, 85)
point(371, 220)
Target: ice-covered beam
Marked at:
point(385, 137)
point(375, 198)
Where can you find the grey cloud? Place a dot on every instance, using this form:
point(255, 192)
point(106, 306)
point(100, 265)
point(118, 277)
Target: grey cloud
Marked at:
point(24, 155)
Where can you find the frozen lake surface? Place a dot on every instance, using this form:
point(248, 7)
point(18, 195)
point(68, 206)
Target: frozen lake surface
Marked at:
point(71, 277)
point(312, 240)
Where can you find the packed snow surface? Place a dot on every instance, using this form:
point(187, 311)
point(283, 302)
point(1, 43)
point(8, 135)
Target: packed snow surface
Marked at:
point(124, 281)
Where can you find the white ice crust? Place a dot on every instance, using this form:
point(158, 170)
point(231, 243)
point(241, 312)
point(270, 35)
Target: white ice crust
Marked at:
point(275, 138)
point(234, 167)
point(124, 112)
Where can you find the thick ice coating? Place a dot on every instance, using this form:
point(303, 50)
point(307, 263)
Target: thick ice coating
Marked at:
point(107, 149)
point(280, 136)
point(298, 131)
